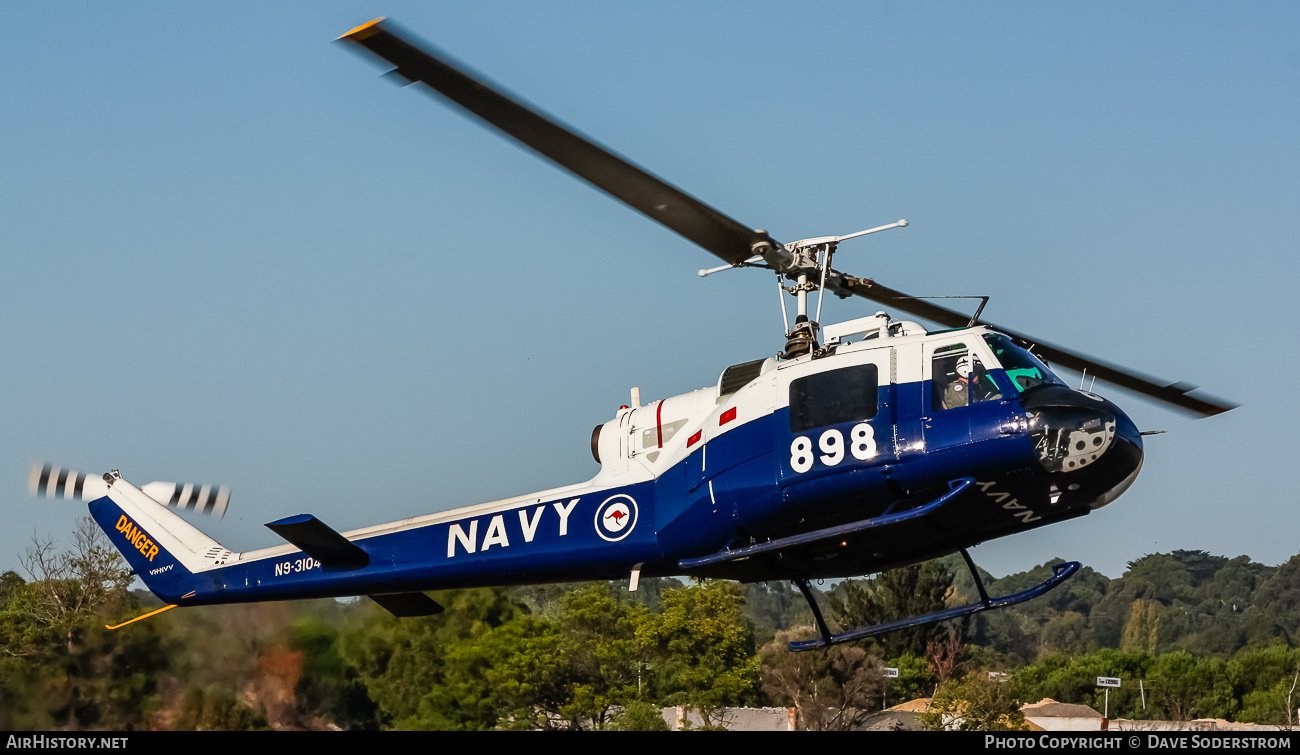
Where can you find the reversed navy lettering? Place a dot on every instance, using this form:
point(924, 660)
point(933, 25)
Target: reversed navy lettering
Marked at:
point(1023, 512)
point(861, 445)
point(465, 536)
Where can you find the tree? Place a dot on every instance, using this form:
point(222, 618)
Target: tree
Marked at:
point(1073, 679)
point(69, 585)
point(639, 715)
point(1187, 687)
point(466, 693)
point(216, 708)
point(831, 690)
point(1269, 682)
point(61, 667)
point(1142, 631)
point(945, 651)
point(975, 703)
point(1159, 577)
point(893, 595)
point(774, 606)
point(575, 672)
point(1067, 633)
point(1279, 598)
point(913, 680)
point(703, 651)
point(329, 687)
point(428, 672)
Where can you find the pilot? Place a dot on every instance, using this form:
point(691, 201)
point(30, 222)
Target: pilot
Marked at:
point(957, 393)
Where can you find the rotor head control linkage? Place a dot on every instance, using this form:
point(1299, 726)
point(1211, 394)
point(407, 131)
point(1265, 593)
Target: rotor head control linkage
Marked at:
point(820, 240)
point(788, 257)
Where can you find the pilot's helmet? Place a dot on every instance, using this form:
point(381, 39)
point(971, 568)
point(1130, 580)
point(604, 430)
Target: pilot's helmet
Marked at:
point(963, 367)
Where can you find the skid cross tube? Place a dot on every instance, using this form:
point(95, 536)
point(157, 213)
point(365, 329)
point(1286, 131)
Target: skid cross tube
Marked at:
point(806, 589)
point(1060, 573)
point(827, 638)
point(975, 575)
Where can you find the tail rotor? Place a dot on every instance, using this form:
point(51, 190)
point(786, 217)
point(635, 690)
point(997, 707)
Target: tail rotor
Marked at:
point(52, 481)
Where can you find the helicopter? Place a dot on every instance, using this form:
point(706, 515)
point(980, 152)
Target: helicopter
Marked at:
point(861, 446)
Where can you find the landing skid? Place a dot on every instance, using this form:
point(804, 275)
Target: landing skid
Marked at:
point(1060, 573)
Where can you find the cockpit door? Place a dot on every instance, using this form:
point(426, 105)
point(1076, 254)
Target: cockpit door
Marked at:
point(959, 392)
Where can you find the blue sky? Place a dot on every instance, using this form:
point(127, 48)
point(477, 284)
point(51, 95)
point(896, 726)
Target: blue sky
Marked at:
point(233, 253)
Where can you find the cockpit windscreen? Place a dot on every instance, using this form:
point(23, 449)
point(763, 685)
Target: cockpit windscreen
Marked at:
point(1024, 369)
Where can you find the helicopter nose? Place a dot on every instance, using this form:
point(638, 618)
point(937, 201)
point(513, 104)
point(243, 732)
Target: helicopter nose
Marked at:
point(1090, 448)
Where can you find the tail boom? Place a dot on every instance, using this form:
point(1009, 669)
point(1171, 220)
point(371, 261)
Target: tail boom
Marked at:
point(164, 550)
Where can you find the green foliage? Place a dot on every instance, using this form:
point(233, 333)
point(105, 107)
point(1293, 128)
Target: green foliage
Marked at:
point(329, 687)
point(913, 681)
point(427, 672)
point(1067, 633)
point(1142, 632)
point(1160, 578)
point(704, 656)
point(572, 673)
point(62, 669)
point(215, 708)
point(892, 595)
point(465, 693)
point(1186, 687)
point(1278, 598)
point(639, 715)
point(545, 600)
point(488, 662)
point(1073, 679)
point(975, 703)
point(1269, 680)
point(1060, 621)
point(1176, 686)
point(775, 606)
point(1186, 600)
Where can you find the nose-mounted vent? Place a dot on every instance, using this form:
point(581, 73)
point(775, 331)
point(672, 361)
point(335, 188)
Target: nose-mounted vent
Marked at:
point(1067, 439)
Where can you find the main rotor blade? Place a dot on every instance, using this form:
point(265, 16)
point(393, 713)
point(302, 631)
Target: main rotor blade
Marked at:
point(1177, 394)
point(655, 199)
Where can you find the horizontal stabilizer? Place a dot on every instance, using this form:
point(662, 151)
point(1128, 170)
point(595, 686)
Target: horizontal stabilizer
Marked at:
point(317, 540)
point(51, 481)
point(407, 604)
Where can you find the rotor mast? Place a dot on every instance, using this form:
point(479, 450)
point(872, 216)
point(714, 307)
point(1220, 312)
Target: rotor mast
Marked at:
point(811, 258)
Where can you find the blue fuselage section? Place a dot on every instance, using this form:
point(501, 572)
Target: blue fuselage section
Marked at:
point(760, 481)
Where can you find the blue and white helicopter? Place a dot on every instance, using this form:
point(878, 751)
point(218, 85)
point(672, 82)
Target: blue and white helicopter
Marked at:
point(862, 446)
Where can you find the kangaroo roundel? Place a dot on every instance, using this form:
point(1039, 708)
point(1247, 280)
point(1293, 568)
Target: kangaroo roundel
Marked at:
point(616, 517)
